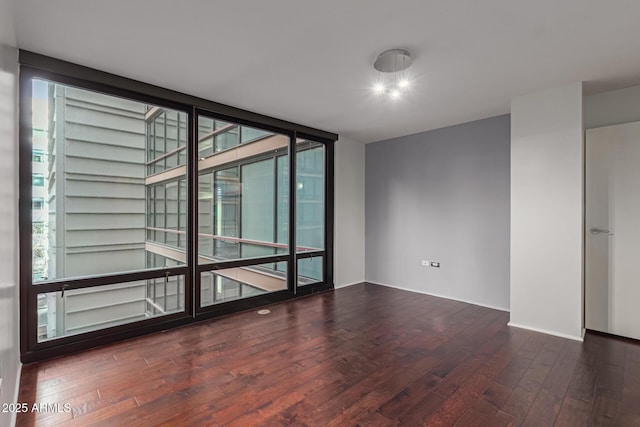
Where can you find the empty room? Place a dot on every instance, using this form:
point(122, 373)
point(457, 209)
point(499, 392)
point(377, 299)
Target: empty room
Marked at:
point(296, 213)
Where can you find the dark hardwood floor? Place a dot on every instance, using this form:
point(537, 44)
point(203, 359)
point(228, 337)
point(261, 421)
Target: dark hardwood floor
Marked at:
point(364, 355)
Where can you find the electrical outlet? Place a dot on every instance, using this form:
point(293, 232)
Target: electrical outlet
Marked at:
point(425, 263)
point(434, 264)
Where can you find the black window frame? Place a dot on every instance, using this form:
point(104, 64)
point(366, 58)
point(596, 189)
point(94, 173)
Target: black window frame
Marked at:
point(36, 66)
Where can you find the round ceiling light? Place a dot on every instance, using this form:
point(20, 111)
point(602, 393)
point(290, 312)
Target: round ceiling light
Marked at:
point(392, 61)
point(392, 79)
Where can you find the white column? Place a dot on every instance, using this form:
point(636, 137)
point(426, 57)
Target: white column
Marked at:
point(349, 213)
point(547, 169)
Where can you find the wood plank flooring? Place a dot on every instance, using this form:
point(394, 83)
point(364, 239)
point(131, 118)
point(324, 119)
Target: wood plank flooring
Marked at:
point(364, 355)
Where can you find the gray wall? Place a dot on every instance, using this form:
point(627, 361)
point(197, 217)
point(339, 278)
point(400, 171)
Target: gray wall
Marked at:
point(9, 303)
point(441, 195)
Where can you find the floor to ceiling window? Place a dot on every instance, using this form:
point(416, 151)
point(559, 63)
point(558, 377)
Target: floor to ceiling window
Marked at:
point(140, 212)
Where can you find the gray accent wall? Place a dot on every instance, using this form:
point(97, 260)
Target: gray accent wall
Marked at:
point(443, 196)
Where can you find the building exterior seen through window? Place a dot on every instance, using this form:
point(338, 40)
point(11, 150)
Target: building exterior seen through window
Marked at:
point(38, 155)
point(109, 195)
point(38, 180)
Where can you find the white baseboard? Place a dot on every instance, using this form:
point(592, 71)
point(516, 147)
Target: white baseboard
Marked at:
point(545, 331)
point(347, 284)
point(439, 296)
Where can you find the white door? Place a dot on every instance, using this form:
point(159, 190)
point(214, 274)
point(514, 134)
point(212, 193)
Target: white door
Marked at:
point(612, 235)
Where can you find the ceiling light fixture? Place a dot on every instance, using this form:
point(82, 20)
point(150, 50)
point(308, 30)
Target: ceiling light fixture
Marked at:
point(393, 77)
point(379, 88)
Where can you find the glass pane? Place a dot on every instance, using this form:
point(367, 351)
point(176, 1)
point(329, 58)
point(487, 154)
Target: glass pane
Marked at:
point(106, 174)
point(283, 196)
point(206, 222)
point(38, 155)
point(38, 180)
point(166, 139)
point(243, 282)
point(250, 134)
point(215, 136)
point(40, 194)
point(171, 215)
point(309, 196)
point(258, 210)
point(226, 136)
point(182, 214)
point(310, 270)
point(242, 192)
point(91, 309)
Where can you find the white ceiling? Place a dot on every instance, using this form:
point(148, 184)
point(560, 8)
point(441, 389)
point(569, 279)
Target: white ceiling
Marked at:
point(311, 61)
